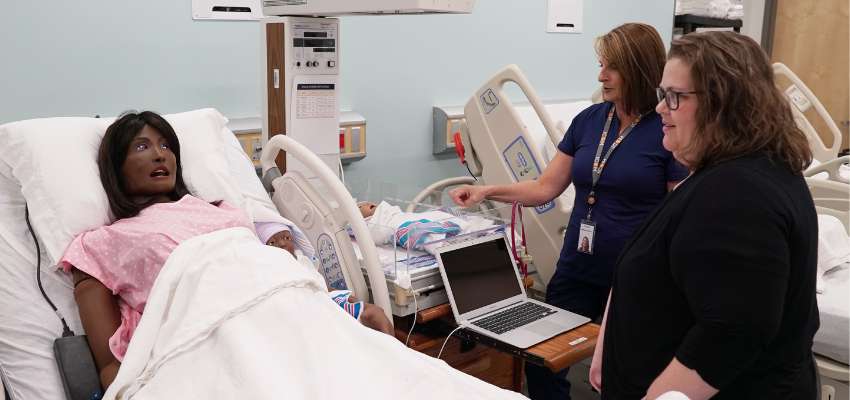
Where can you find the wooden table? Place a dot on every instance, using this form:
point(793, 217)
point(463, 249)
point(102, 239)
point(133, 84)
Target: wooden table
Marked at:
point(495, 362)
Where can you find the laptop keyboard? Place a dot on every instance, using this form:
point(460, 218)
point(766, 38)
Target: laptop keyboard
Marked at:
point(513, 318)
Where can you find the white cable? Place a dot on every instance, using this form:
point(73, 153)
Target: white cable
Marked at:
point(341, 172)
point(447, 340)
point(415, 310)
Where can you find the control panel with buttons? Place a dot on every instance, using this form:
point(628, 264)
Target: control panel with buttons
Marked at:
point(315, 46)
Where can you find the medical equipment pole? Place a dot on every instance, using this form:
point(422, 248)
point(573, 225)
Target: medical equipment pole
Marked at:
point(380, 294)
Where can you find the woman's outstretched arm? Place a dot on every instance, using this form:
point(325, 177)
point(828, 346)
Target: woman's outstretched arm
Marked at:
point(101, 317)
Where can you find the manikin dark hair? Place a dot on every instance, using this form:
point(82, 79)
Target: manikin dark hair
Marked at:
point(113, 153)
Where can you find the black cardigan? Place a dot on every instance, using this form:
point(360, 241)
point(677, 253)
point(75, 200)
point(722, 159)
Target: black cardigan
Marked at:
point(721, 276)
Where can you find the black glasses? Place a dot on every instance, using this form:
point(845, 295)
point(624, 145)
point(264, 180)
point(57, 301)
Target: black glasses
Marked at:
point(671, 97)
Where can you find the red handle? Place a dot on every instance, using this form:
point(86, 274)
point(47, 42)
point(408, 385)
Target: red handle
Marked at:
point(459, 146)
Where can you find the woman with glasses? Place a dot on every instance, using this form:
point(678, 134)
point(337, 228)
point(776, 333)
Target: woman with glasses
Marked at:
point(613, 154)
point(714, 294)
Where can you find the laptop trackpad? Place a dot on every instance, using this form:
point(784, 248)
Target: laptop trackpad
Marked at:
point(545, 328)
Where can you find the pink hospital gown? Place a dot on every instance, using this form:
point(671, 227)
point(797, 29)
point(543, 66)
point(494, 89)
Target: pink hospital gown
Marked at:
point(128, 255)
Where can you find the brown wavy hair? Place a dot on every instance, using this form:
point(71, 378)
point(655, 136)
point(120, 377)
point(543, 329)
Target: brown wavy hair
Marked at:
point(741, 110)
point(638, 54)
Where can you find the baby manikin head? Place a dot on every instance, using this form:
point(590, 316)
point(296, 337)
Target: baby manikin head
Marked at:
point(367, 208)
point(275, 234)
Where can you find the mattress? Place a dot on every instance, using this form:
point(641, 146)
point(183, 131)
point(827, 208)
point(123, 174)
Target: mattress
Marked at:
point(833, 338)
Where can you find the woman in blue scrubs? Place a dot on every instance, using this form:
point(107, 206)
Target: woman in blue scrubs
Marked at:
point(616, 186)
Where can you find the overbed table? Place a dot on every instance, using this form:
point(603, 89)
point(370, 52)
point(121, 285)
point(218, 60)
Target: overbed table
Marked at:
point(493, 361)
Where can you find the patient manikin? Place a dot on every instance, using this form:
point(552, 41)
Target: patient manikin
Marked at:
point(115, 266)
point(280, 235)
point(388, 222)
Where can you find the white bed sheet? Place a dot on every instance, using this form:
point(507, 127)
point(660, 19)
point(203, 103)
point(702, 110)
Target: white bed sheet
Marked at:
point(29, 326)
point(833, 338)
point(559, 112)
point(272, 326)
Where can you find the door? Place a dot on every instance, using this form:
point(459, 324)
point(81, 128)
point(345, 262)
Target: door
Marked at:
point(811, 38)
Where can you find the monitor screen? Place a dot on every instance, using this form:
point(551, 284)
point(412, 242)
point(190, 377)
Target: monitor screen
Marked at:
point(480, 275)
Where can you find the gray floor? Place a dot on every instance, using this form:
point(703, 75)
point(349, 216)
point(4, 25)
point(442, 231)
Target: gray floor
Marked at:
point(581, 389)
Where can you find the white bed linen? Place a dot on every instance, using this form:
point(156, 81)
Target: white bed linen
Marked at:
point(833, 337)
point(560, 113)
point(833, 247)
point(29, 326)
point(387, 219)
point(231, 318)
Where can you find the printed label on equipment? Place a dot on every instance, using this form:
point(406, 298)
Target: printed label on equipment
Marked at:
point(330, 263)
point(489, 101)
point(545, 207)
point(577, 341)
point(522, 163)
point(314, 101)
point(524, 166)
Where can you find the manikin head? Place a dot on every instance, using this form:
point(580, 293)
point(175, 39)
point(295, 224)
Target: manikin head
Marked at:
point(139, 163)
point(367, 208)
point(276, 235)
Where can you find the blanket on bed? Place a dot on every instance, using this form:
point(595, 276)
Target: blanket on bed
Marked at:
point(231, 318)
point(389, 224)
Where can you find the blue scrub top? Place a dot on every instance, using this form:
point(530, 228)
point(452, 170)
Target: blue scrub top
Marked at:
point(632, 183)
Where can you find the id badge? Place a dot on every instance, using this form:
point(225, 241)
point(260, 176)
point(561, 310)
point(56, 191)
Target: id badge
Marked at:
point(586, 236)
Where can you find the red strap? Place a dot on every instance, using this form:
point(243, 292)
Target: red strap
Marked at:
point(517, 209)
point(459, 146)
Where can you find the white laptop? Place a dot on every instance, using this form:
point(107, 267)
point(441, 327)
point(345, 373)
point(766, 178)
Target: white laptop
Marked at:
point(488, 297)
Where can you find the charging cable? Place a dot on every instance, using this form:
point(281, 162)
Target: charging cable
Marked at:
point(447, 340)
point(415, 310)
point(416, 306)
point(66, 331)
point(341, 172)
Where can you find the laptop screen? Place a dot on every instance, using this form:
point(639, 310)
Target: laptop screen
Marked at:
point(480, 275)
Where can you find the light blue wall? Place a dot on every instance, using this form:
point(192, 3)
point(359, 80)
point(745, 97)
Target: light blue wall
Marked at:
point(105, 56)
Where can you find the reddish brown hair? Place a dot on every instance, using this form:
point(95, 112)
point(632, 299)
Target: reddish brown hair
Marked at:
point(741, 110)
point(637, 52)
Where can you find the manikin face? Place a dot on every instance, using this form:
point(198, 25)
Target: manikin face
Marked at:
point(367, 208)
point(611, 80)
point(679, 124)
point(283, 240)
point(150, 169)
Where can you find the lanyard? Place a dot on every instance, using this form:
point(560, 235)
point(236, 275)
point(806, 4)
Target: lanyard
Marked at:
point(598, 165)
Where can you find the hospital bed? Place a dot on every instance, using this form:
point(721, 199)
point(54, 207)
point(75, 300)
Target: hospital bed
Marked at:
point(27, 367)
point(360, 263)
point(827, 179)
point(493, 130)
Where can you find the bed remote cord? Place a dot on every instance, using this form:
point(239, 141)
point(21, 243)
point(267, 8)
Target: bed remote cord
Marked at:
point(73, 354)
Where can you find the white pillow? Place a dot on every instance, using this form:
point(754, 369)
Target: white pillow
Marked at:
point(55, 162)
point(244, 172)
point(833, 247)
